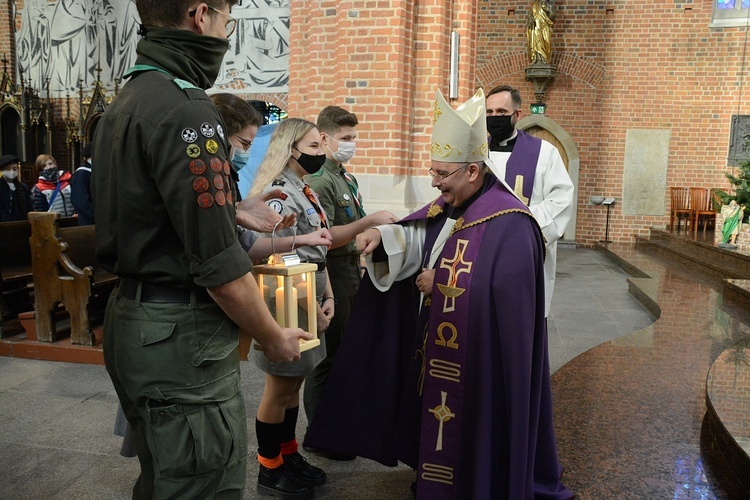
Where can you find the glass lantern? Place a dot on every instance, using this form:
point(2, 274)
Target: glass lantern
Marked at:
point(289, 291)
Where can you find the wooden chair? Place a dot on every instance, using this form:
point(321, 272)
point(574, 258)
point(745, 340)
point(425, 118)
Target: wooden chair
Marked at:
point(702, 204)
point(680, 207)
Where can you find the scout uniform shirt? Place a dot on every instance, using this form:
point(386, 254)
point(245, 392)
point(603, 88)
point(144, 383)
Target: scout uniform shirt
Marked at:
point(296, 202)
point(337, 200)
point(164, 195)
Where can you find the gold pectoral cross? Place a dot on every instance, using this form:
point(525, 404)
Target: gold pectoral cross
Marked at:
point(518, 189)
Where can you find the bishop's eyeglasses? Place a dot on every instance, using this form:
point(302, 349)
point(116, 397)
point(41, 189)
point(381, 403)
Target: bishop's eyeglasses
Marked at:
point(441, 176)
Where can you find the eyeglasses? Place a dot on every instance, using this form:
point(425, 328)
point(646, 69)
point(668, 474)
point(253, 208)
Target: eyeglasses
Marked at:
point(245, 143)
point(229, 26)
point(444, 175)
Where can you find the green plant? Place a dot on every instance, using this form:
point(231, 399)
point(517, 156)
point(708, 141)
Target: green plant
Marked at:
point(741, 185)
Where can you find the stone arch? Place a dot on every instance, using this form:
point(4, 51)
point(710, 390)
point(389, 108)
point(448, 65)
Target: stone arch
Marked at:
point(570, 152)
point(500, 66)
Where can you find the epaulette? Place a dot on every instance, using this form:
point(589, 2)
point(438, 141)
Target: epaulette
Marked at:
point(184, 84)
point(278, 182)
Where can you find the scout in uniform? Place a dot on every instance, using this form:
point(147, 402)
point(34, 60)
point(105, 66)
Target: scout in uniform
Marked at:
point(164, 207)
point(294, 151)
point(340, 197)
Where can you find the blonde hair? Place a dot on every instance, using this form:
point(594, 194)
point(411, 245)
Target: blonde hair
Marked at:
point(287, 134)
point(41, 160)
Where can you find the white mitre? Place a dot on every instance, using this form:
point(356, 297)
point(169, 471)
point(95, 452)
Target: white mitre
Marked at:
point(459, 135)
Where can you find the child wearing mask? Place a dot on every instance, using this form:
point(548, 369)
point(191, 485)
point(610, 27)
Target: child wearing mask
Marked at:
point(15, 199)
point(294, 151)
point(51, 193)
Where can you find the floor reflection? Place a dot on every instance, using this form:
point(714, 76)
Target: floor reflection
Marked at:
point(728, 388)
point(628, 413)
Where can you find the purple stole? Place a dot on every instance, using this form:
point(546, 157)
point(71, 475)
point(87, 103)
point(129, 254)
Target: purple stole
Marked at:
point(523, 161)
point(445, 347)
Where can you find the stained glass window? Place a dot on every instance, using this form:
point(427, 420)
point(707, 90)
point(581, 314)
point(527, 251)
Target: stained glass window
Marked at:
point(727, 13)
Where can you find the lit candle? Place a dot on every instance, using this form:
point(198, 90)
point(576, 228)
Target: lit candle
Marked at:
point(286, 303)
point(280, 317)
point(302, 291)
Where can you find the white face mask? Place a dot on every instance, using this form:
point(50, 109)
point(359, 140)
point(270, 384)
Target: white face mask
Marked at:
point(10, 174)
point(345, 152)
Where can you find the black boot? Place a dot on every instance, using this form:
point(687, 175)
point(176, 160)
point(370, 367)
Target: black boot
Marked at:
point(298, 465)
point(281, 483)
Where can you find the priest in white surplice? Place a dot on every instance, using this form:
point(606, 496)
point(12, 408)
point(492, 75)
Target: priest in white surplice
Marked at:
point(535, 171)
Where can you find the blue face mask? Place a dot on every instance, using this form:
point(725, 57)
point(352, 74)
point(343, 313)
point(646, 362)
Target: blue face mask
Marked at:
point(240, 158)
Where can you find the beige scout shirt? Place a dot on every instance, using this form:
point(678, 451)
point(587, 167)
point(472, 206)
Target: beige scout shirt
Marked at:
point(296, 202)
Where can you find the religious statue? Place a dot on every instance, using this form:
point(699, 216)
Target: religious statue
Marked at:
point(733, 214)
point(539, 32)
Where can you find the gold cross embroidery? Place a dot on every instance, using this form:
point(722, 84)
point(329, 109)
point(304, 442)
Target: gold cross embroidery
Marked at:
point(450, 290)
point(436, 112)
point(442, 414)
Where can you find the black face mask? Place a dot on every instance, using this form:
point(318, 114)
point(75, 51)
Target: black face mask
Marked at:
point(52, 175)
point(500, 127)
point(311, 163)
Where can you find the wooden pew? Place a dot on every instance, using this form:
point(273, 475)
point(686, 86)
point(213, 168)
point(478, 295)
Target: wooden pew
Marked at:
point(16, 273)
point(65, 271)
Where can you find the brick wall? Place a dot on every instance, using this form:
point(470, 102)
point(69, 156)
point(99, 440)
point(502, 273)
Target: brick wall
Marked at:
point(621, 65)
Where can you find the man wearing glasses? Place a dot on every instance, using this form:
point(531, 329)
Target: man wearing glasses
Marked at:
point(444, 364)
point(165, 213)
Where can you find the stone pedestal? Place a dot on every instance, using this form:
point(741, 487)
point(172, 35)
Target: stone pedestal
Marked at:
point(540, 74)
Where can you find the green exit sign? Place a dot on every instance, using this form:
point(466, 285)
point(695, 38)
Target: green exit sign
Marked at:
point(538, 109)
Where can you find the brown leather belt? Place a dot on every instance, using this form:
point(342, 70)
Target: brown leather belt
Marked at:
point(157, 292)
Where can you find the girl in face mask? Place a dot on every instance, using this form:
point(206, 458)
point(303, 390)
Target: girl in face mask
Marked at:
point(242, 121)
point(15, 201)
point(294, 151)
point(51, 193)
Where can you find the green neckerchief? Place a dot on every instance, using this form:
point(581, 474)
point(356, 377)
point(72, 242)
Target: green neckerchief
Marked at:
point(184, 54)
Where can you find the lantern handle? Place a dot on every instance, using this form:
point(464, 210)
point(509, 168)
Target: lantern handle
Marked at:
point(273, 235)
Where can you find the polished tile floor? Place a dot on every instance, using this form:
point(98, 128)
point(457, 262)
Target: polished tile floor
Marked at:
point(628, 394)
point(629, 413)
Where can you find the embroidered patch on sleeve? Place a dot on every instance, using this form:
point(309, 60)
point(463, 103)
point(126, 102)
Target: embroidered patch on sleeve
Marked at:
point(216, 165)
point(207, 130)
point(205, 200)
point(197, 166)
point(189, 135)
point(200, 184)
point(220, 198)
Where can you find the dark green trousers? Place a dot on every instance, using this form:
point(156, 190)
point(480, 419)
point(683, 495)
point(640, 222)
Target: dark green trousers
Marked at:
point(175, 368)
point(344, 276)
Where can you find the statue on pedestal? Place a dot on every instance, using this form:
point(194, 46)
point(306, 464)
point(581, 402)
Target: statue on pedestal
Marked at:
point(539, 32)
point(733, 214)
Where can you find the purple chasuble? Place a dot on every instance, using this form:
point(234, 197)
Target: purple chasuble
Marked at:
point(523, 160)
point(462, 392)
